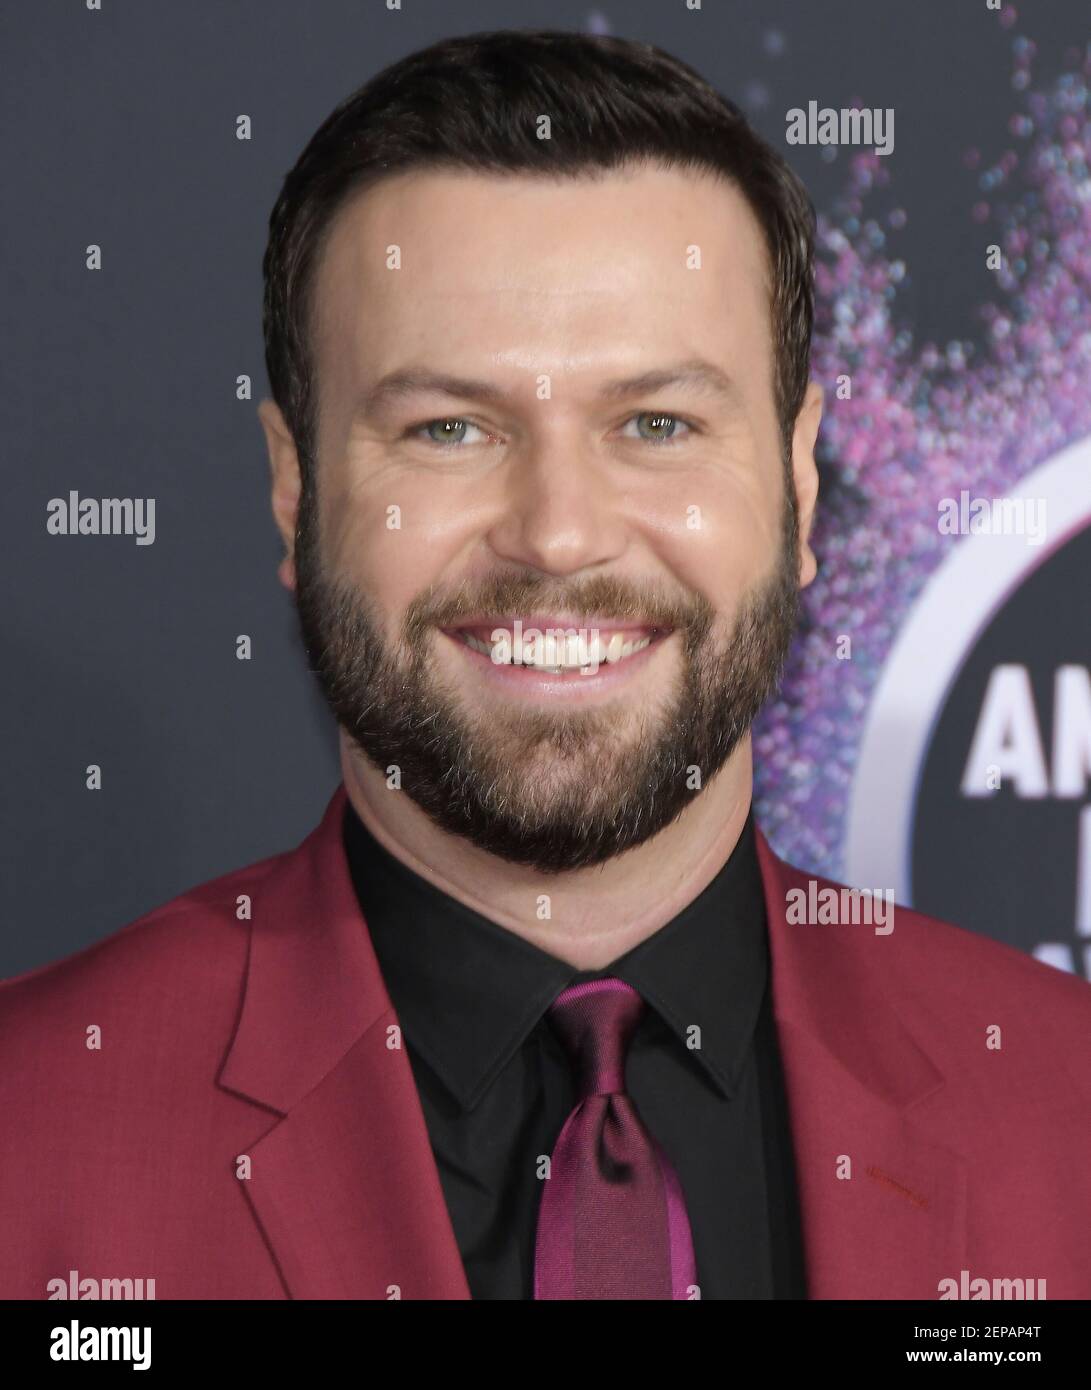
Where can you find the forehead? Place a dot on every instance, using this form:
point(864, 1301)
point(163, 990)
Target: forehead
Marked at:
point(571, 274)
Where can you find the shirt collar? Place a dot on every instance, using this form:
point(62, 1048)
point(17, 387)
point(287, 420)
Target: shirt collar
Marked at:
point(468, 992)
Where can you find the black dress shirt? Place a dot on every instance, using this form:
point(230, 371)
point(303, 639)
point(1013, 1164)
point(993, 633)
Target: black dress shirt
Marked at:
point(496, 1086)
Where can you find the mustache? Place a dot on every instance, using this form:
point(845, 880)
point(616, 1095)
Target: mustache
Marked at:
point(512, 594)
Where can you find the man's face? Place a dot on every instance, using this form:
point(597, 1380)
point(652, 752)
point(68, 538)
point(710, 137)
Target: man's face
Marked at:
point(654, 517)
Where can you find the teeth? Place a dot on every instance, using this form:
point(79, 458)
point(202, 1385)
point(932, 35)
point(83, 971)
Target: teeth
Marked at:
point(578, 652)
point(615, 652)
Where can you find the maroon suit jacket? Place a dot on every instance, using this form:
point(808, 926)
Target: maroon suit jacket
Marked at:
point(248, 1126)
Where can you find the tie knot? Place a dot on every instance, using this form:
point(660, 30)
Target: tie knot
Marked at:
point(596, 1021)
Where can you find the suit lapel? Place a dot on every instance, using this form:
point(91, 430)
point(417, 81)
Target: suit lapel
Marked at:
point(342, 1178)
point(859, 1087)
point(346, 1189)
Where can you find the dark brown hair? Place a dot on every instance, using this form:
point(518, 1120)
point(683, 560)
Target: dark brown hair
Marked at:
point(473, 103)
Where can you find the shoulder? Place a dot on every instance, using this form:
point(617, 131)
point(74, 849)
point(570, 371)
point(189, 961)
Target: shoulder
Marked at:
point(946, 982)
point(980, 999)
point(188, 953)
point(962, 963)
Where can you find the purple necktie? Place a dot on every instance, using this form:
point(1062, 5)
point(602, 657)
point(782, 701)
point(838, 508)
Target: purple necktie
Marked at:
point(612, 1220)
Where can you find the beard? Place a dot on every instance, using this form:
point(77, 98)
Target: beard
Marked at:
point(551, 790)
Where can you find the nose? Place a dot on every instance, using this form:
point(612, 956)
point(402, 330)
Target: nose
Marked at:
point(561, 509)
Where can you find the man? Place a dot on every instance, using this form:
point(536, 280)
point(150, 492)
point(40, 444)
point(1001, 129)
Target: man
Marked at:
point(530, 1014)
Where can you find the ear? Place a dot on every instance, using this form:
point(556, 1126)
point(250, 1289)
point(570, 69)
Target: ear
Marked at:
point(805, 476)
point(286, 481)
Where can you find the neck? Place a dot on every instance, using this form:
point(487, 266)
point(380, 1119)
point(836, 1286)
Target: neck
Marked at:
point(595, 914)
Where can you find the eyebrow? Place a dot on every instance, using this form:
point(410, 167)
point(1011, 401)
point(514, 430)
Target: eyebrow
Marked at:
point(695, 374)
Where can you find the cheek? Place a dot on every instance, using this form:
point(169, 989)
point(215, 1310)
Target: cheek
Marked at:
point(718, 538)
point(394, 538)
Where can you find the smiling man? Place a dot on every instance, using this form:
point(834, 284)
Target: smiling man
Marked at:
point(517, 425)
point(526, 1016)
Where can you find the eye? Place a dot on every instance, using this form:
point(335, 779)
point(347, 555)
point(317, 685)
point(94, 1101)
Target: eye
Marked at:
point(451, 432)
point(662, 427)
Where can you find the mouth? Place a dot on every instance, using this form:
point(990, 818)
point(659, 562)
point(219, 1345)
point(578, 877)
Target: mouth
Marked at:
point(556, 646)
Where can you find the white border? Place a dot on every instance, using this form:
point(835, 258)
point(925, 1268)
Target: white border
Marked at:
point(957, 604)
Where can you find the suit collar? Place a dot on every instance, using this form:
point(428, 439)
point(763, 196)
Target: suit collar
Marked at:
point(882, 1196)
point(340, 1176)
point(313, 985)
point(827, 983)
